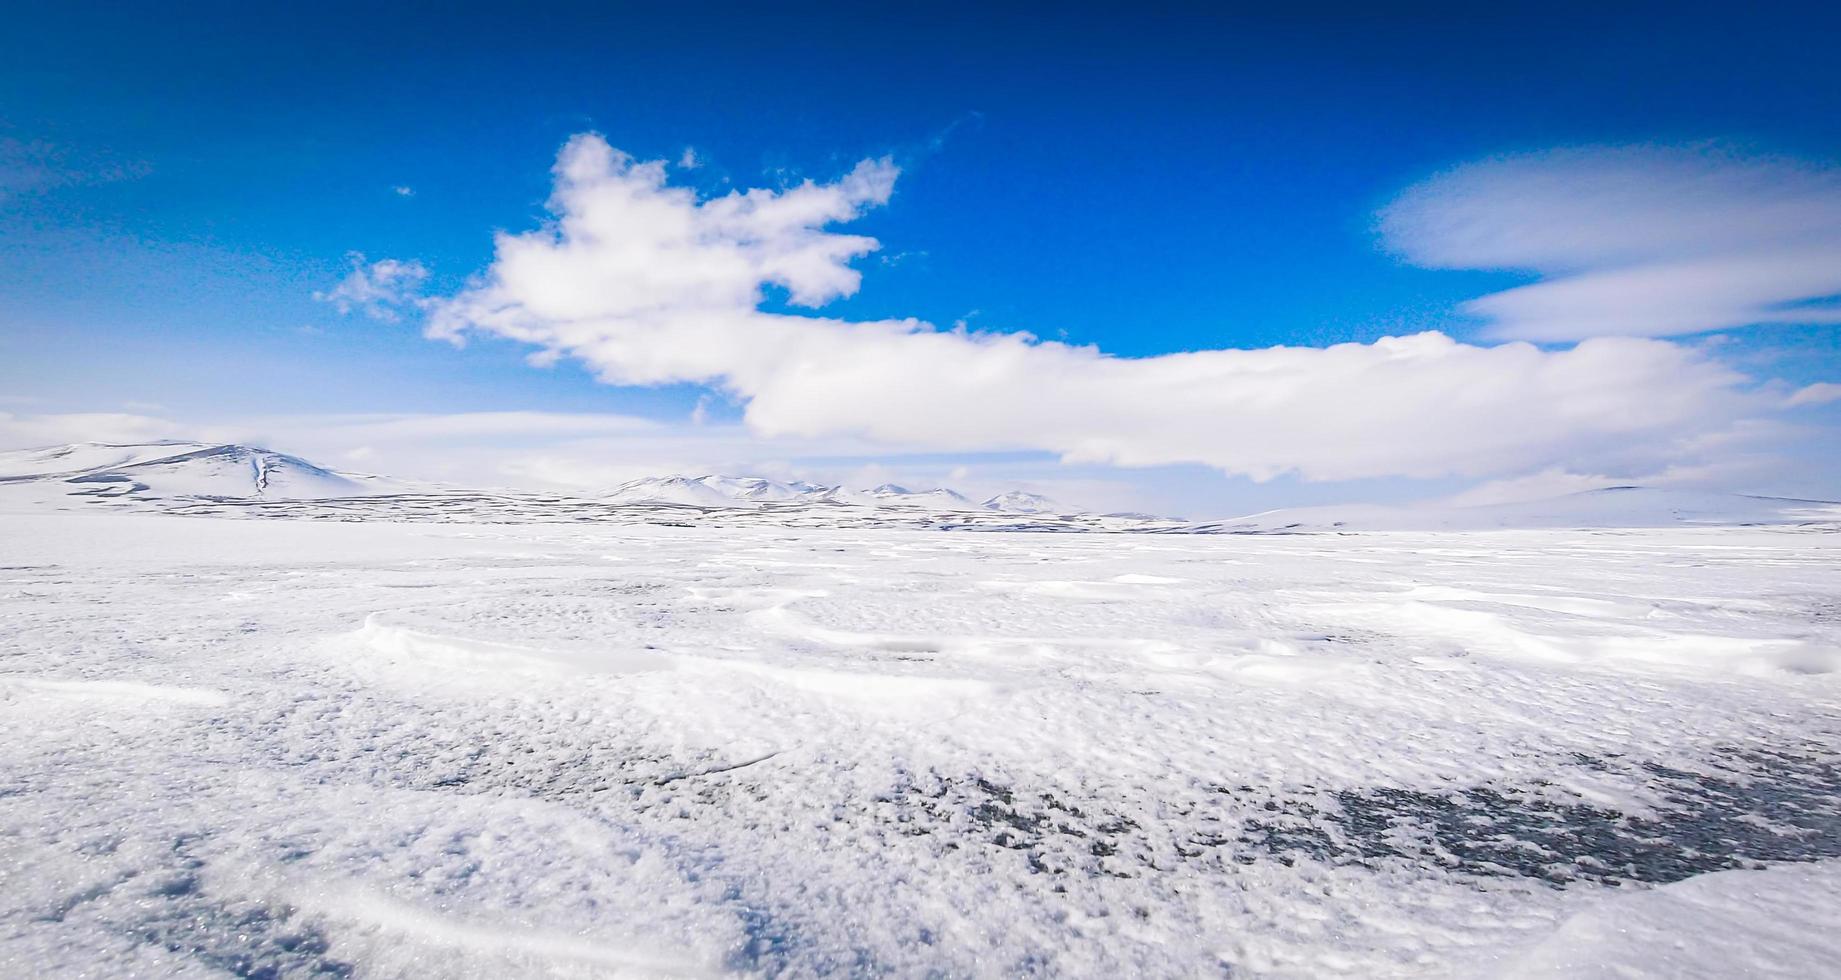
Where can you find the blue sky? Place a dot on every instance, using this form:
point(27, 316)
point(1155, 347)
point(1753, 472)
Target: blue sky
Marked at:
point(176, 188)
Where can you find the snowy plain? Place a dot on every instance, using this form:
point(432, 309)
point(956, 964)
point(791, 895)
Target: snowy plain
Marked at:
point(392, 747)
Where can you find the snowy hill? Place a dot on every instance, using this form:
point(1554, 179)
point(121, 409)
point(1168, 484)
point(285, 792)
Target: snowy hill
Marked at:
point(1023, 502)
point(684, 490)
point(890, 495)
point(192, 477)
point(84, 457)
point(1609, 507)
point(198, 478)
point(714, 491)
point(174, 470)
point(733, 491)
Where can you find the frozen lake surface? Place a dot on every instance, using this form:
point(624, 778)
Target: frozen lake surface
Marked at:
point(299, 748)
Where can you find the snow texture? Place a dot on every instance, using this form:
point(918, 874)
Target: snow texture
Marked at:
point(380, 743)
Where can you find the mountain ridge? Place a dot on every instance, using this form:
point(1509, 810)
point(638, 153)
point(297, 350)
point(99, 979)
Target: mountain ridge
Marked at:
point(179, 468)
point(178, 476)
point(719, 490)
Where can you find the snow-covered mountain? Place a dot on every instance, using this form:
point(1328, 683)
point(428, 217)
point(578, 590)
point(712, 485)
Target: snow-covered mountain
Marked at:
point(1023, 502)
point(689, 491)
point(732, 491)
point(890, 495)
point(194, 477)
point(84, 457)
point(191, 477)
point(177, 469)
point(712, 491)
point(1609, 507)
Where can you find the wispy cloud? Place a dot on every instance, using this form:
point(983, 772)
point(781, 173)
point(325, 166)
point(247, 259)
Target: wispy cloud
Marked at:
point(32, 166)
point(1820, 393)
point(378, 289)
point(1641, 241)
point(432, 428)
point(648, 284)
point(20, 431)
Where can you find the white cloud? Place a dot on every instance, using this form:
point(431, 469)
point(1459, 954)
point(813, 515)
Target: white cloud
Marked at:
point(428, 429)
point(649, 285)
point(534, 450)
point(1557, 481)
point(32, 431)
point(378, 289)
point(627, 249)
point(1820, 393)
point(403, 190)
point(1640, 241)
point(690, 160)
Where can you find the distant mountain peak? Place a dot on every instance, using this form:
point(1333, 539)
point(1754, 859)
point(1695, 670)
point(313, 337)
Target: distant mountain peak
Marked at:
point(1023, 502)
point(715, 490)
point(172, 468)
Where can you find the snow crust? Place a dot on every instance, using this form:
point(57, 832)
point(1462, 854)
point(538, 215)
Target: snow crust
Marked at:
point(372, 748)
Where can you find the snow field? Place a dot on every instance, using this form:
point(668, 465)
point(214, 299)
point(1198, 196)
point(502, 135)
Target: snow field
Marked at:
point(399, 750)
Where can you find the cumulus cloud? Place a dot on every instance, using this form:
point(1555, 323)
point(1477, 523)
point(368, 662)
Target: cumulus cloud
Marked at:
point(627, 249)
point(378, 289)
point(648, 284)
point(1639, 241)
